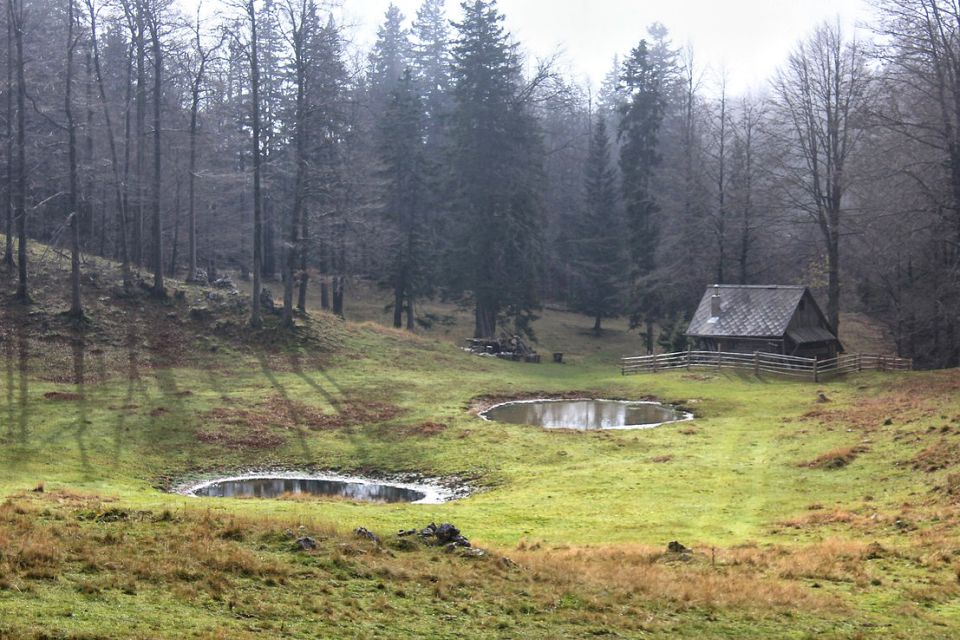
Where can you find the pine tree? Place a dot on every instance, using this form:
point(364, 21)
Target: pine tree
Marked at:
point(431, 57)
point(599, 248)
point(497, 160)
point(327, 79)
point(645, 81)
point(388, 60)
point(402, 156)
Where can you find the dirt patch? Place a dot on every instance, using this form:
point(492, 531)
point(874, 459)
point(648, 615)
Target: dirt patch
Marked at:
point(661, 459)
point(941, 455)
point(835, 459)
point(239, 437)
point(698, 377)
point(283, 413)
point(871, 414)
point(423, 429)
point(63, 396)
point(951, 487)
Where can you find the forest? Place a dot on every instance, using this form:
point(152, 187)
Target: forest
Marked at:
point(258, 140)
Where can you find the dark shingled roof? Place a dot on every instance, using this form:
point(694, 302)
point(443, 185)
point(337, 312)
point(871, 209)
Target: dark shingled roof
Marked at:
point(759, 311)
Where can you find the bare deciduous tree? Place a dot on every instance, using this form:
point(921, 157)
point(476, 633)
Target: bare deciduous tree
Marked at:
point(822, 95)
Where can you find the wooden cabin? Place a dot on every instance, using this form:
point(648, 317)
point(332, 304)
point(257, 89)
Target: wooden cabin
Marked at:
point(766, 318)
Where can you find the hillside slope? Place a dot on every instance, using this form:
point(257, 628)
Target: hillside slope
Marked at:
point(835, 519)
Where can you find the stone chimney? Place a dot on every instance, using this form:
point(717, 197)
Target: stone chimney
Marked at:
point(715, 302)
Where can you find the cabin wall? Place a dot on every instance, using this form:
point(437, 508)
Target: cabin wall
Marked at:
point(741, 345)
point(808, 315)
point(818, 350)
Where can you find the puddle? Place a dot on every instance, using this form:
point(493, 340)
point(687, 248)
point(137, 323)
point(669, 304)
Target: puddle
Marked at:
point(277, 485)
point(585, 414)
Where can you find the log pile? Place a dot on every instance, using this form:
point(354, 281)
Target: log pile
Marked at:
point(505, 347)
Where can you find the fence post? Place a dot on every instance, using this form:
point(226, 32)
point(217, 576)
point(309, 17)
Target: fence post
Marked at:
point(688, 359)
point(654, 363)
point(816, 374)
point(756, 363)
point(883, 363)
point(859, 362)
point(719, 359)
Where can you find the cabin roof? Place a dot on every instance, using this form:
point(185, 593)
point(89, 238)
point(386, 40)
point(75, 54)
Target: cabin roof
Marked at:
point(749, 311)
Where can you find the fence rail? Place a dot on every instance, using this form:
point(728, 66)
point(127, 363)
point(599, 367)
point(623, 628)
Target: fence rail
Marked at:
point(770, 363)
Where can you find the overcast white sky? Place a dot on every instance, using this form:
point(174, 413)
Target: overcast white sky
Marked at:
point(750, 38)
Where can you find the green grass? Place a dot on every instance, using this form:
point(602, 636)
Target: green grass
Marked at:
point(584, 514)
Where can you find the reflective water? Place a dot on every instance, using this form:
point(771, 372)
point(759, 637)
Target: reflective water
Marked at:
point(585, 414)
point(276, 487)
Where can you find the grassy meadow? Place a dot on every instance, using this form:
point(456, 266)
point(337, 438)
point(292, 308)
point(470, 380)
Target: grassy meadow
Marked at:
point(806, 519)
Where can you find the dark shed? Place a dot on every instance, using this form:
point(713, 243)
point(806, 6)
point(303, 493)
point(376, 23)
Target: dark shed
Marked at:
point(767, 318)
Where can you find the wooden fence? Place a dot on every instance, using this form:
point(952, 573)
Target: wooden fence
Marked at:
point(770, 363)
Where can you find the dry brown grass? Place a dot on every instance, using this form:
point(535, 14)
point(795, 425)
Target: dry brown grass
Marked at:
point(835, 458)
point(942, 455)
point(283, 413)
point(745, 578)
point(421, 429)
point(904, 405)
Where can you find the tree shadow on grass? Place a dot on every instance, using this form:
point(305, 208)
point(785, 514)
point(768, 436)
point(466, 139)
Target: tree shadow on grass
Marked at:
point(291, 405)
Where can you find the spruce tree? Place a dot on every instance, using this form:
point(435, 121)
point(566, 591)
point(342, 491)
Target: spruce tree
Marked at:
point(431, 60)
point(644, 79)
point(599, 247)
point(403, 161)
point(388, 60)
point(496, 161)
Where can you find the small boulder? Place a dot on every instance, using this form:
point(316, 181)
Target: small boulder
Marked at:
point(447, 533)
point(225, 282)
point(676, 547)
point(306, 543)
point(363, 532)
point(822, 397)
point(266, 301)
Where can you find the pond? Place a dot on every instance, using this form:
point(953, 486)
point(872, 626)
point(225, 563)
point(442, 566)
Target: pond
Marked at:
point(279, 485)
point(585, 414)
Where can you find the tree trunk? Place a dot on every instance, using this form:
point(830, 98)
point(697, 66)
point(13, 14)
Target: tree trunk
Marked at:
point(833, 276)
point(324, 277)
point(87, 223)
point(597, 330)
point(338, 287)
point(172, 272)
point(157, 228)
point(485, 320)
point(411, 316)
point(191, 183)
point(300, 144)
point(8, 226)
point(20, 202)
point(397, 307)
point(141, 134)
point(118, 183)
point(304, 275)
point(256, 320)
point(76, 306)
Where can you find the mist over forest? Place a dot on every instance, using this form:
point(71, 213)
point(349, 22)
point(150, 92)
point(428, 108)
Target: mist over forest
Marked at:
point(257, 142)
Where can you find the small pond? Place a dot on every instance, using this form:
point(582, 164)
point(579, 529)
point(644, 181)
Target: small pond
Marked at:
point(276, 486)
point(585, 414)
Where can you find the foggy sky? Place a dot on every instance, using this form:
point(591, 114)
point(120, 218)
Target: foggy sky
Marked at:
point(749, 38)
